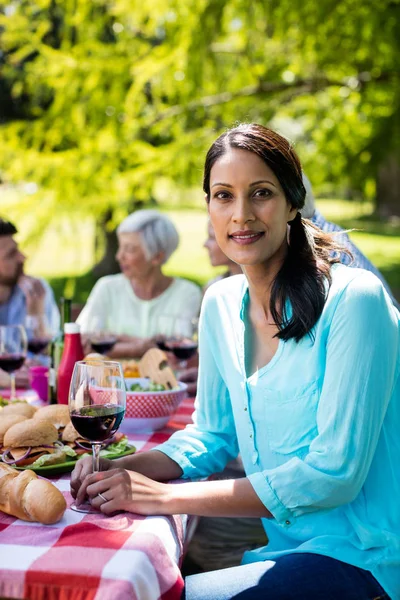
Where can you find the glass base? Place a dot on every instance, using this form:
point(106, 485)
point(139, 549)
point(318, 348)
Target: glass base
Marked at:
point(85, 507)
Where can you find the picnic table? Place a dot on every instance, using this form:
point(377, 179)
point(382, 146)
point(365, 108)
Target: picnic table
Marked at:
point(86, 556)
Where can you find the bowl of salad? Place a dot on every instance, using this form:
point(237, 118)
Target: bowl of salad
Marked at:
point(149, 405)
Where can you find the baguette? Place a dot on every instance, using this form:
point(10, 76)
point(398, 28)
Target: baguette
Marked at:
point(25, 496)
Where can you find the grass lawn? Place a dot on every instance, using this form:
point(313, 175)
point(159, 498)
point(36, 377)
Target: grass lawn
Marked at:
point(65, 254)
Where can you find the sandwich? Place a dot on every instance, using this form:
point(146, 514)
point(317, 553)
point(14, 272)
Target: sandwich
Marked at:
point(56, 414)
point(117, 444)
point(18, 407)
point(25, 442)
point(7, 422)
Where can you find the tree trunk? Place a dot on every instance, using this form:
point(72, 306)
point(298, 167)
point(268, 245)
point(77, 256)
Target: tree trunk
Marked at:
point(107, 265)
point(388, 187)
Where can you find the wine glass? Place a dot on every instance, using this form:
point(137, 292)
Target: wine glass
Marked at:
point(97, 402)
point(39, 333)
point(101, 340)
point(185, 341)
point(164, 328)
point(13, 346)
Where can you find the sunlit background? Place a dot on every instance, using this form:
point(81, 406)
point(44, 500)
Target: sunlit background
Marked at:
point(110, 106)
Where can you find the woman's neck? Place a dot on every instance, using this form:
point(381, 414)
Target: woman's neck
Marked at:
point(261, 278)
point(234, 269)
point(151, 286)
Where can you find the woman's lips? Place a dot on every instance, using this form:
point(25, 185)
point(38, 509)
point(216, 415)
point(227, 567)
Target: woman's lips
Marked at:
point(244, 239)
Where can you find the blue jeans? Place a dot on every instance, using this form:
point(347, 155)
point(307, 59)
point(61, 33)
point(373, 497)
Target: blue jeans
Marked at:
point(290, 577)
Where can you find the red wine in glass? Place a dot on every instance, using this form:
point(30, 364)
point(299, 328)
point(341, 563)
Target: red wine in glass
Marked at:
point(182, 349)
point(11, 362)
point(97, 422)
point(37, 345)
point(161, 344)
point(97, 402)
point(103, 346)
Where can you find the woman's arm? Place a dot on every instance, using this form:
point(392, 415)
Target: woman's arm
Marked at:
point(133, 483)
point(133, 492)
point(131, 347)
point(361, 356)
point(155, 465)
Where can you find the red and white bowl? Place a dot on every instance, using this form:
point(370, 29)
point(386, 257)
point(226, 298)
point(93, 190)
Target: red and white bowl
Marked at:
point(149, 411)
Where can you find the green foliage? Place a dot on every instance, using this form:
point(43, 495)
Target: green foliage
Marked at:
point(103, 99)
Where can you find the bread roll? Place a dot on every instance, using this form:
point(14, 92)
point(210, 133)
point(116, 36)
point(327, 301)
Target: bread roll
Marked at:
point(95, 357)
point(70, 434)
point(17, 489)
point(43, 502)
point(7, 421)
point(19, 408)
point(25, 496)
point(30, 433)
point(7, 473)
point(57, 414)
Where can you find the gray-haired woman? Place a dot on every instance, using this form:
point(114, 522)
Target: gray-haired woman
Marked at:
point(141, 302)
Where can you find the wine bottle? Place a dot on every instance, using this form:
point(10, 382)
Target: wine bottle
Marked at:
point(58, 345)
point(56, 348)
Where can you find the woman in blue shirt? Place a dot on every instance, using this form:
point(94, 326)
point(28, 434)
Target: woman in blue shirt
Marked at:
point(299, 372)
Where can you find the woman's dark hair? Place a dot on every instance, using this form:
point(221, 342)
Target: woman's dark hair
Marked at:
point(304, 277)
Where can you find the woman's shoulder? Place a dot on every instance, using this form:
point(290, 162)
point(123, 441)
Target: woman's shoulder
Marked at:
point(228, 290)
point(110, 283)
point(354, 279)
point(357, 288)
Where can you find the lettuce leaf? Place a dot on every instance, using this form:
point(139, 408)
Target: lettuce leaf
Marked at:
point(60, 456)
point(116, 448)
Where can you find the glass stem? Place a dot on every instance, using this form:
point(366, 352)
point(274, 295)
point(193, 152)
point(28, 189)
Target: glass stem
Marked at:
point(13, 395)
point(96, 447)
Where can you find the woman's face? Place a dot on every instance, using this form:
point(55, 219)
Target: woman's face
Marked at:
point(131, 257)
point(217, 257)
point(248, 209)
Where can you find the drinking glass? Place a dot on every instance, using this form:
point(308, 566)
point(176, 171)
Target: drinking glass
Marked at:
point(101, 340)
point(164, 328)
point(185, 341)
point(97, 402)
point(13, 346)
point(39, 333)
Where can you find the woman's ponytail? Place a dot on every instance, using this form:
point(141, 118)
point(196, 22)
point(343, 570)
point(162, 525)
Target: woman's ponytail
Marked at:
point(302, 280)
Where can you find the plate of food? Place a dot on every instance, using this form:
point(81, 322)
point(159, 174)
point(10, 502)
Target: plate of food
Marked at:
point(46, 441)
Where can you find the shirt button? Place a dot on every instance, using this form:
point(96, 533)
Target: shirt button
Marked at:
point(251, 435)
point(287, 522)
point(245, 408)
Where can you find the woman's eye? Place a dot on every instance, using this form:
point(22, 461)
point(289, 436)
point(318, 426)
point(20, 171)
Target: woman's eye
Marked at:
point(262, 193)
point(222, 195)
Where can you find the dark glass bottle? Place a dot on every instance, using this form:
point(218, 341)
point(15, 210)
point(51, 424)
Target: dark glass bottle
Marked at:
point(57, 347)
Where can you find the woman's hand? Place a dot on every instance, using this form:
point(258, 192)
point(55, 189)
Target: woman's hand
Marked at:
point(83, 468)
point(124, 490)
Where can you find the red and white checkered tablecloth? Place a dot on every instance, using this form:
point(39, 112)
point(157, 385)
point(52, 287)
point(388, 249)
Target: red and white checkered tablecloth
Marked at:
point(85, 557)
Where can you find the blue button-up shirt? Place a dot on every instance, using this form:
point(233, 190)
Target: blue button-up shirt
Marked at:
point(317, 427)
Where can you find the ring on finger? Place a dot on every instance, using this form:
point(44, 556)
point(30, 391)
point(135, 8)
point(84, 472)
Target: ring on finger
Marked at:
point(102, 497)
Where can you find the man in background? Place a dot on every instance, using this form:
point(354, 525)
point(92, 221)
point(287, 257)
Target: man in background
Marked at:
point(20, 294)
point(360, 261)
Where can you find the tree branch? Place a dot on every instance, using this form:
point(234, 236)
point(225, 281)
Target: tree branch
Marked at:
point(299, 86)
